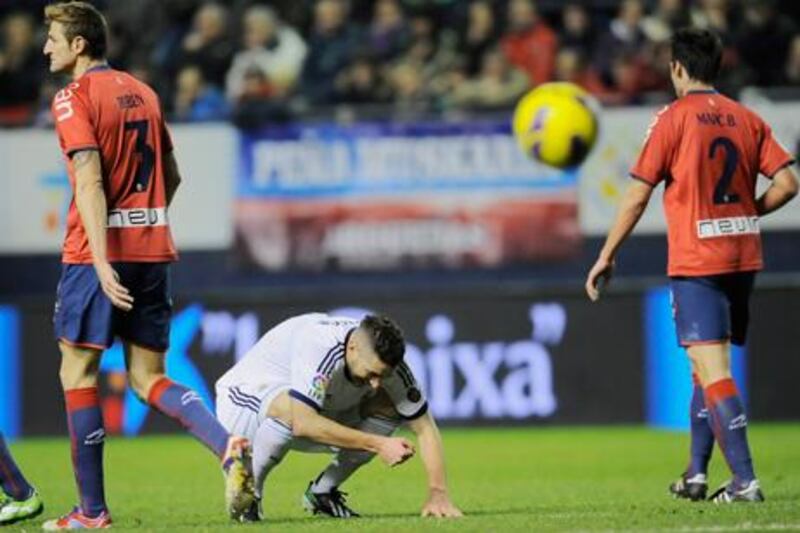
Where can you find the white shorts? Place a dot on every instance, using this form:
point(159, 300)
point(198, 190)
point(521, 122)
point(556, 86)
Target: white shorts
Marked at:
point(240, 410)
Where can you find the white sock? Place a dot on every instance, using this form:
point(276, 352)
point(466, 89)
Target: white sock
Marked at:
point(270, 445)
point(346, 462)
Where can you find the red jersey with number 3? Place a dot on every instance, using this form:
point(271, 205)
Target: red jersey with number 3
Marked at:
point(709, 151)
point(120, 117)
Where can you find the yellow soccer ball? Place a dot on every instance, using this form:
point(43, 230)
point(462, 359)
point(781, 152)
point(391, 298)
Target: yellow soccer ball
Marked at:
point(556, 124)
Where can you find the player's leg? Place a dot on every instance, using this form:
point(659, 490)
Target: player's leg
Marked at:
point(378, 416)
point(271, 436)
point(145, 332)
point(693, 483)
point(272, 441)
point(728, 419)
point(18, 499)
point(84, 327)
point(702, 436)
point(149, 382)
point(718, 313)
point(78, 373)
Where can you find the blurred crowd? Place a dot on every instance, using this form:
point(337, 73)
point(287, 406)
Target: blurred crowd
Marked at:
point(259, 61)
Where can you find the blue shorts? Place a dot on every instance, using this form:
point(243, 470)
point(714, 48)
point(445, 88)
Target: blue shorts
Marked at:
point(712, 309)
point(85, 317)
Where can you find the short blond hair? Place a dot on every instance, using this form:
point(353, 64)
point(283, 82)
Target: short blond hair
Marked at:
point(81, 19)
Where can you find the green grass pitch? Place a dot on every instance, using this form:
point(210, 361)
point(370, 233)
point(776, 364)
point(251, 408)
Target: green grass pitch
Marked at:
point(531, 479)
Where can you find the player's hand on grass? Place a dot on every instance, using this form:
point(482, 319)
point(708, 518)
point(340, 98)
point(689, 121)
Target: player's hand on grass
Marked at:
point(109, 281)
point(599, 276)
point(395, 450)
point(439, 505)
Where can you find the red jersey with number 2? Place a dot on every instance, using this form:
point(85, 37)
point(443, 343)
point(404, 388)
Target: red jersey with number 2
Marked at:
point(709, 151)
point(120, 117)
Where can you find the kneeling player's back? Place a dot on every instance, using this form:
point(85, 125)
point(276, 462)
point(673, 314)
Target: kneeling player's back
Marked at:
point(272, 356)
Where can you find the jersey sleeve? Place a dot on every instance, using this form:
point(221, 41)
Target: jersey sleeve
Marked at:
point(656, 156)
point(311, 368)
point(771, 155)
point(402, 388)
point(73, 122)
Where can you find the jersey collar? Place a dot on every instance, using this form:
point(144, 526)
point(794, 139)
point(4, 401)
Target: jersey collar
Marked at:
point(702, 91)
point(97, 68)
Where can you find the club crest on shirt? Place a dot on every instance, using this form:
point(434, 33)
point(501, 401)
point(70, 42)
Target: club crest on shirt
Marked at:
point(318, 386)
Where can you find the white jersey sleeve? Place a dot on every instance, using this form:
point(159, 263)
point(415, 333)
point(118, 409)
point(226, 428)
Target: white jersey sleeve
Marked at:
point(403, 390)
point(316, 352)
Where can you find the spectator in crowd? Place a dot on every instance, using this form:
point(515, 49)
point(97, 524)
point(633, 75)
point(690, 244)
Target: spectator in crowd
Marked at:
point(332, 44)
point(478, 36)
point(195, 99)
point(20, 70)
point(258, 103)
point(135, 28)
point(498, 85)
point(627, 80)
point(714, 15)
point(572, 66)
point(273, 48)
point(577, 33)
point(530, 44)
point(359, 83)
point(445, 83)
point(432, 52)
point(408, 90)
point(623, 37)
point(791, 73)
point(657, 70)
point(207, 44)
point(388, 34)
point(668, 16)
point(423, 43)
point(718, 16)
point(763, 41)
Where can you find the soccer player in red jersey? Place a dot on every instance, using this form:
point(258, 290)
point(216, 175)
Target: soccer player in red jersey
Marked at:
point(708, 150)
point(116, 256)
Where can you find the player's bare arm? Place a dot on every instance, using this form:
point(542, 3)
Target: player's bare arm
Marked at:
point(90, 200)
point(438, 503)
point(630, 211)
point(306, 422)
point(784, 187)
point(172, 176)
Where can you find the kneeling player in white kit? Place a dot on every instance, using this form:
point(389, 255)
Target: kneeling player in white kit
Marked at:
point(318, 383)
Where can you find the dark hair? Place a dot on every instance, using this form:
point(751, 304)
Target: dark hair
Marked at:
point(84, 20)
point(700, 53)
point(387, 339)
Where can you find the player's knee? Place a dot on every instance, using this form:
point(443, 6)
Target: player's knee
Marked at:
point(141, 382)
point(355, 457)
point(73, 378)
point(78, 370)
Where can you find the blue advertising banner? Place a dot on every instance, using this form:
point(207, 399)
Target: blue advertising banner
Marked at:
point(10, 394)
